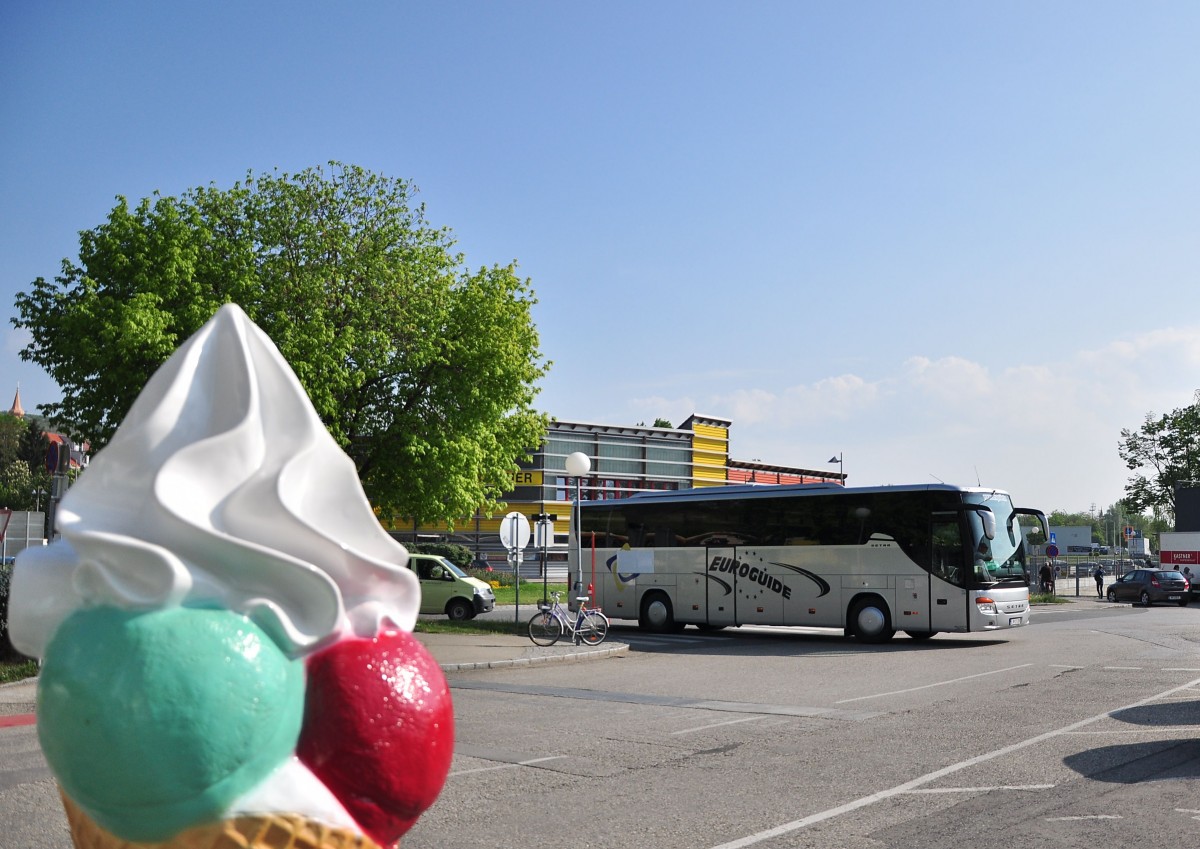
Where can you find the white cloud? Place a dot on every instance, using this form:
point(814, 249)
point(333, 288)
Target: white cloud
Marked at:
point(1045, 431)
point(1048, 432)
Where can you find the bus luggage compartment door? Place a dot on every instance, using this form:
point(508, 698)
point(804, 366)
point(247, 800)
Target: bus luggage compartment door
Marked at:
point(754, 589)
point(720, 577)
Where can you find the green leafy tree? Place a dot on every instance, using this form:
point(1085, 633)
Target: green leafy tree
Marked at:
point(424, 371)
point(16, 486)
point(23, 464)
point(12, 431)
point(1161, 452)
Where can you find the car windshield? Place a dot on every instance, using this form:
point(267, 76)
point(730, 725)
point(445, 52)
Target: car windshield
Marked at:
point(454, 570)
point(1001, 559)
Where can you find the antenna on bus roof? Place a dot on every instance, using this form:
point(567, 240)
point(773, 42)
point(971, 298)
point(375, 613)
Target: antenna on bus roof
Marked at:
point(978, 481)
point(936, 478)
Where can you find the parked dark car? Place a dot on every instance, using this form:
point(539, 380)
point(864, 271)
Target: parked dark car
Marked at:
point(1147, 586)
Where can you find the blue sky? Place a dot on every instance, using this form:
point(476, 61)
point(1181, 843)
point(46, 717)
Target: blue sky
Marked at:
point(952, 241)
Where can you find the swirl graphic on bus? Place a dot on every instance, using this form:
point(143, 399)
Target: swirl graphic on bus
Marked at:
point(619, 579)
point(821, 583)
point(724, 585)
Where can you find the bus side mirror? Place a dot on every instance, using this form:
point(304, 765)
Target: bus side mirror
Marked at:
point(989, 523)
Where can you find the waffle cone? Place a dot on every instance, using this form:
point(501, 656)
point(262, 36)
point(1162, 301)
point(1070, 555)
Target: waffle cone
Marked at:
point(266, 831)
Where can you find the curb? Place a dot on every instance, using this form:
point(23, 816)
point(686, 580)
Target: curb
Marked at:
point(537, 660)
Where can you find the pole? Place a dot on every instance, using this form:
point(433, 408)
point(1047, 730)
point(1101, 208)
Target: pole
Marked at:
point(578, 543)
point(516, 559)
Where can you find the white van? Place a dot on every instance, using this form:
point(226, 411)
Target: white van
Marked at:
point(447, 589)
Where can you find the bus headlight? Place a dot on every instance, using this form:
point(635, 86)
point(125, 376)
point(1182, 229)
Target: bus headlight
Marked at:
point(986, 605)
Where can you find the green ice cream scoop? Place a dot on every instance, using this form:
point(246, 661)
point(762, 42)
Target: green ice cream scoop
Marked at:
point(156, 721)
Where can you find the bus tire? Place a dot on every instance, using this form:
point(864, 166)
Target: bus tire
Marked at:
point(920, 635)
point(870, 621)
point(657, 615)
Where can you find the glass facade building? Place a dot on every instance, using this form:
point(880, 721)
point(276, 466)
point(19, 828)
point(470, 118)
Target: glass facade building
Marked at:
point(624, 461)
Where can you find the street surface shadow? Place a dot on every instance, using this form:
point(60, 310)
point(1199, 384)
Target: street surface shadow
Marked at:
point(1137, 763)
point(760, 641)
point(1146, 759)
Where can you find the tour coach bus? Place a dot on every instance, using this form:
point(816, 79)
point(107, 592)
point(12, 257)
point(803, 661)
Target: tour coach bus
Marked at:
point(868, 560)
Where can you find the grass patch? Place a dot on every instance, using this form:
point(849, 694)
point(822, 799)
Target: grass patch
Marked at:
point(1047, 598)
point(472, 626)
point(531, 592)
point(17, 670)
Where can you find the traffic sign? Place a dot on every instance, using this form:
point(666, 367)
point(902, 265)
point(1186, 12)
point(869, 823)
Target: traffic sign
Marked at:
point(514, 531)
point(1052, 550)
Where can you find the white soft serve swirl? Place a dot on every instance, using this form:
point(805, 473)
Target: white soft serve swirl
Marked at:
point(221, 487)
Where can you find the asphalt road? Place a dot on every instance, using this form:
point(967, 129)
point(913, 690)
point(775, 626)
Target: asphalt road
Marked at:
point(1080, 730)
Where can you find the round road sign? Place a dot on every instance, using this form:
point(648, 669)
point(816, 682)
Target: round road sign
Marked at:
point(514, 531)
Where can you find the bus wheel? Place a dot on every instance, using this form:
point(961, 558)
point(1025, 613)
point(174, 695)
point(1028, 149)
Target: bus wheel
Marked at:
point(657, 614)
point(920, 635)
point(871, 622)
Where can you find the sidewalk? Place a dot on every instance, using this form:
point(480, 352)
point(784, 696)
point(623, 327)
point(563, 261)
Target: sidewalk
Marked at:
point(1066, 588)
point(453, 652)
point(465, 652)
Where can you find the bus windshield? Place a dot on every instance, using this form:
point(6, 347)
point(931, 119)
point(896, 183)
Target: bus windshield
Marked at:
point(1002, 558)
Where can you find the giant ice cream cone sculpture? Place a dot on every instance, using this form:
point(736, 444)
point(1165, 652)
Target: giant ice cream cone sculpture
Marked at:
point(225, 628)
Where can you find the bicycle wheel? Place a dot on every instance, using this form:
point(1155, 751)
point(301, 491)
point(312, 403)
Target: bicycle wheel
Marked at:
point(594, 628)
point(545, 629)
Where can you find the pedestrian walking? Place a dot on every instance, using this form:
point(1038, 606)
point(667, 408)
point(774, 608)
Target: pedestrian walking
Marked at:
point(1099, 576)
point(1046, 578)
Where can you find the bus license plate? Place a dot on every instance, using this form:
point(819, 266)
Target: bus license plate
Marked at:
point(1172, 598)
point(1014, 620)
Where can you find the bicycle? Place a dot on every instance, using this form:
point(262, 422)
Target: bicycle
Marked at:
point(551, 620)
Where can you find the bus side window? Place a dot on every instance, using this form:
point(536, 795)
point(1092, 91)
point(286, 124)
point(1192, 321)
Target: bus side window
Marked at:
point(947, 554)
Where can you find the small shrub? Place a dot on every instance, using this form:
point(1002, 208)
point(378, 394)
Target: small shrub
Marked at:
point(457, 554)
point(496, 579)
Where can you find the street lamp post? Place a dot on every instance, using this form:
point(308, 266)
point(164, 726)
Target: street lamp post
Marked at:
point(837, 458)
point(577, 464)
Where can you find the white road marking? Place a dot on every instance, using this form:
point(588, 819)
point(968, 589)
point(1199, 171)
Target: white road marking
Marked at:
point(984, 789)
point(936, 684)
point(529, 762)
point(719, 724)
point(1123, 668)
point(821, 816)
point(1092, 817)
